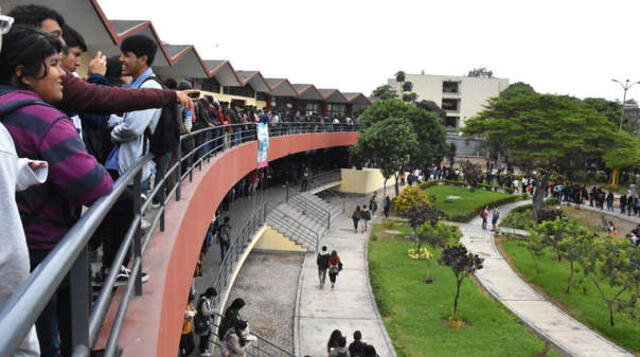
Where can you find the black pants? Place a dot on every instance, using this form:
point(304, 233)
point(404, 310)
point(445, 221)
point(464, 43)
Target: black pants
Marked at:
point(186, 344)
point(115, 226)
point(204, 342)
point(355, 224)
point(332, 277)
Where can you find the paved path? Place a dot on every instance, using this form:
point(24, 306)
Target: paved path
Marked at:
point(545, 318)
point(350, 306)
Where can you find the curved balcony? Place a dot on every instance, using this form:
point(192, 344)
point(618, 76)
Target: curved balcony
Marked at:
point(147, 320)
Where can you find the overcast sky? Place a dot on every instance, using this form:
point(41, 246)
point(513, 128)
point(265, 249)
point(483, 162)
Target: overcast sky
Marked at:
point(563, 47)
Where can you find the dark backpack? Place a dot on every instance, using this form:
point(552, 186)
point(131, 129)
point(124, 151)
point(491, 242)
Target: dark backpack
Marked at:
point(166, 137)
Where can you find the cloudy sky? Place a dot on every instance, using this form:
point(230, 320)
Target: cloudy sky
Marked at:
point(565, 47)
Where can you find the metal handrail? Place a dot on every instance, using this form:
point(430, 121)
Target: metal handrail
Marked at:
point(309, 235)
point(318, 213)
point(71, 256)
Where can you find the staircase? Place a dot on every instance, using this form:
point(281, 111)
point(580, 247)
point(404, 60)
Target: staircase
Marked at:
point(304, 218)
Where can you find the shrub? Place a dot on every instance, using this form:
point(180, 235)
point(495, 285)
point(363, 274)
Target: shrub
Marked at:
point(410, 196)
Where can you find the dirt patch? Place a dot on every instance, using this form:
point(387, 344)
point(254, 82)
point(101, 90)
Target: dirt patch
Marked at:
point(391, 232)
point(594, 220)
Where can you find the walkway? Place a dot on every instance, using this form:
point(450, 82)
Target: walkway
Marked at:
point(545, 318)
point(350, 306)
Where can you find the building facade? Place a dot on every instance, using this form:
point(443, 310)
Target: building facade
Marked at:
point(461, 97)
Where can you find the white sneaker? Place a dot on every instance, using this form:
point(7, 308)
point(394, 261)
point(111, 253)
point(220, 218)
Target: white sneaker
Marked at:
point(144, 224)
point(123, 277)
point(207, 353)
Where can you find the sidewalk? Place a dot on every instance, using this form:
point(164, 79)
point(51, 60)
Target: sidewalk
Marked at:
point(350, 306)
point(538, 313)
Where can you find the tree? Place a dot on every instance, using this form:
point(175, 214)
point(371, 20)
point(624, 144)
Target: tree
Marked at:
point(438, 235)
point(451, 153)
point(535, 132)
point(462, 263)
point(384, 92)
point(433, 108)
point(411, 196)
point(609, 109)
point(480, 72)
point(407, 86)
point(575, 247)
point(472, 173)
point(391, 142)
point(428, 129)
point(409, 97)
point(615, 261)
point(400, 76)
point(625, 153)
point(517, 89)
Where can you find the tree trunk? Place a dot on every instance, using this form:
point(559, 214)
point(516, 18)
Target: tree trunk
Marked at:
point(397, 177)
point(570, 282)
point(538, 196)
point(384, 189)
point(613, 323)
point(455, 300)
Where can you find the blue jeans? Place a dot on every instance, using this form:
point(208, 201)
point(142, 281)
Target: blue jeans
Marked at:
point(54, 324)
point(224, 248)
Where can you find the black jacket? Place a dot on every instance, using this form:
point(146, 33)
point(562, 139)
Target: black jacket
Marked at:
point(323, 260)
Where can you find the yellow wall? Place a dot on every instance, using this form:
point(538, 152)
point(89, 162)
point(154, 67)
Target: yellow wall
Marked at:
point(363, 181)
point(274, 240)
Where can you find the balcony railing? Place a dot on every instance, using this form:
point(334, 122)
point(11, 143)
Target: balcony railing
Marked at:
point(71, 256)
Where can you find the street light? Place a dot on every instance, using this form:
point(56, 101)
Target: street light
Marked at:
point(625, 87)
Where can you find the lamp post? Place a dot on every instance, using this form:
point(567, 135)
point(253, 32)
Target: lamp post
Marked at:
point(625, 87)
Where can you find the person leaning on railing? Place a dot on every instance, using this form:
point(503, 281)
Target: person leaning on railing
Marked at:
point(30, 71)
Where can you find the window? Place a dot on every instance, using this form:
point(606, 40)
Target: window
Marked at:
point(450, 87)
point(245, 91)
point(451, 122)
point(451, 104)
point(313, 107)
point(261, 96)
point(336, 110)
point(208, 84)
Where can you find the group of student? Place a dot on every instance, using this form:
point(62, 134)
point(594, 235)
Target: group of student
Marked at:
point(337, 346)
point(39, 96)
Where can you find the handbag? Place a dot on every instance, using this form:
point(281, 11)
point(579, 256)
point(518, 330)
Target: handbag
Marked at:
point(201, 323)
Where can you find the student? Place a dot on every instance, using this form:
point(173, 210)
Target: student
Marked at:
point(224, 237)
point(236, 341)
point(366, 217)
point(485, 216)
point(186, 337)
point(323, 264)
point(30, 70)
point(206, 309)
point(335, 266)
point(355, 216)
point(386, 206)
point(333, 340)
point(82, 97)
point(356, 348)
point(341, 350)
point(495, 217)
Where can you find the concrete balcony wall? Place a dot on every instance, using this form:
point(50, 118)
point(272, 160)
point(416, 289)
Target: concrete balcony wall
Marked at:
point(154, 321)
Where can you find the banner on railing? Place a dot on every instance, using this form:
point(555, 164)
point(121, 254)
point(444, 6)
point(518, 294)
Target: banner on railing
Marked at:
point(263, 145)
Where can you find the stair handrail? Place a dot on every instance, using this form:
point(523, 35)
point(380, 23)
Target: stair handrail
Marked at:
point(268, 207)
point(309, 206)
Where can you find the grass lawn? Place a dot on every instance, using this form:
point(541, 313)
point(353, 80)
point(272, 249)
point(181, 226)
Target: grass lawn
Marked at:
point(587, 307)
point(468, 205)
point(415, 313)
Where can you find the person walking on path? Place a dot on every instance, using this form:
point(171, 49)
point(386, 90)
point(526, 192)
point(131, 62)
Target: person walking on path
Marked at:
point(623, 203)
point(335, 266)
point(224, 237)
point(333, 340)
point(205, 310)
point(495, 217)
point(355, 216)
point(485, 216)
point(373, 204)
point(323, 265)
point(235, 342)
point(365, 216)
point(341, 350)
point(356, 348)
point(610, 201)
point(231, 317)
point(386, 206)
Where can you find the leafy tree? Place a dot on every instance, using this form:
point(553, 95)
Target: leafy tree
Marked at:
point(384, 92)
point(407, 86)
point(411, 196)
point(451, 153)
point(625, 153)
point(400, 76)
point(472, 173)
point(438, 235)
point(462, 263)
point(420, 213)
point(409, 97)
point(516, 90)
point(616, 262)
point(428, 129)
point(433, 108)
point(551, 233)
point(537, 133)
point(481, 72)
point(391, 143)
point(608, 108)
point(575, 247)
